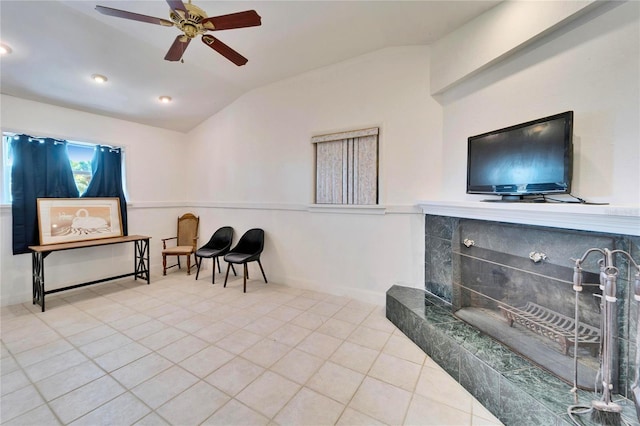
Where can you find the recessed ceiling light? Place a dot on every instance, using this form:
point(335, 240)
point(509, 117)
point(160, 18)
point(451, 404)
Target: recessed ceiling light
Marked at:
point(165, 99)
point(5, 49)
point(99, 78)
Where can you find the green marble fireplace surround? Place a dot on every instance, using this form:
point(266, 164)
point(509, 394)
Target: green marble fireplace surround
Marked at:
point(474, 262)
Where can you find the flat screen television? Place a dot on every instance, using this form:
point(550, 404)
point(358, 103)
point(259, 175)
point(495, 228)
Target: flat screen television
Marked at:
point(523, 162)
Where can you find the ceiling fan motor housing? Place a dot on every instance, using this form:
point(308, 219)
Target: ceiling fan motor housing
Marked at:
point(189, 21)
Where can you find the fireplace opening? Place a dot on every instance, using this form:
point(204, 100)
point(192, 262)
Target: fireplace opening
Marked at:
point(530, 307)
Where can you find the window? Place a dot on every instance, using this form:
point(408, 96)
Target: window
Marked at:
point(80, 156)
point(347, 167)
point(7, 161)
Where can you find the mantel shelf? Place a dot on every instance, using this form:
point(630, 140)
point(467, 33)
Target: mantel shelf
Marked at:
point(616, 219)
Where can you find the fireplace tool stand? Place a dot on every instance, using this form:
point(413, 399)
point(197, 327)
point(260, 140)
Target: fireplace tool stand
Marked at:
point(603, 410)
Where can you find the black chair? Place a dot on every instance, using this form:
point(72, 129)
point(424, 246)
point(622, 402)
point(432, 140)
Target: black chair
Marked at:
point(218, 245)
point(247, 250)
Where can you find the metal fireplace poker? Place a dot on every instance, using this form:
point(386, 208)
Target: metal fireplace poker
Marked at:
point(603, 410)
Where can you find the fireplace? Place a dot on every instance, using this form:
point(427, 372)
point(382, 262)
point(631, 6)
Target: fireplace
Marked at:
point(514, 282)
point(507, 266)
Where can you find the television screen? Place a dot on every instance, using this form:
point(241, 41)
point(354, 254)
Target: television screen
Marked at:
point(532, 158)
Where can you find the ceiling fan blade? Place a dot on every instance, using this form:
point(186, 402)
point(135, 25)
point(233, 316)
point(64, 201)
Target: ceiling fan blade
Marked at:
point(177, 48)
point(224, 50)
point(176, 5)
point(133, 16)
point(248, 18)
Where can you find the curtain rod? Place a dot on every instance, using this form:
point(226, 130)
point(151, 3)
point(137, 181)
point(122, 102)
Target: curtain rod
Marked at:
point(41, 138)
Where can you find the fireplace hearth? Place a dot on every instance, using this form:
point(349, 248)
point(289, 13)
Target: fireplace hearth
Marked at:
point(513, 389)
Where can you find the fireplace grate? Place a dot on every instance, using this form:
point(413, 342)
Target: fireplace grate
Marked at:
point(555, 326)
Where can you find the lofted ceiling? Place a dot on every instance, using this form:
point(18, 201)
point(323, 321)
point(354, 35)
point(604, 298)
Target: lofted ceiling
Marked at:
point(58, 45)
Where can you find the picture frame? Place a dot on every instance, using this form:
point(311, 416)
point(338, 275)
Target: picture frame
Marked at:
point(64, 220)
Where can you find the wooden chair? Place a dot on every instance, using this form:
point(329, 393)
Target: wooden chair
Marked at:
point(186, 242)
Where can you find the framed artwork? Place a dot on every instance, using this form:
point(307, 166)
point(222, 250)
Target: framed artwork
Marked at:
point(64, 220)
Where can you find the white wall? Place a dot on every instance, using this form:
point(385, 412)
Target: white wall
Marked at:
point(353, 254)
point(590, 66)
point(260, 145)
point(256, 157)
point(154, 167)
point(155, 186)
point(497, 33)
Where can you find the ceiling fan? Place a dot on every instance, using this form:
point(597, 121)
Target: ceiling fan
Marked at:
point(192, 21)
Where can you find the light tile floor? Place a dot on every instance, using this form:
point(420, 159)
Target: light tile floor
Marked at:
point(185, 352)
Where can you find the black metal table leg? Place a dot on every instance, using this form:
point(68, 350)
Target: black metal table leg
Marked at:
point(37, 277)
point(141, 260)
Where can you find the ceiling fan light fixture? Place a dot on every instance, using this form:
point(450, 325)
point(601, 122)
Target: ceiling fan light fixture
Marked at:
point(99, 78)
point(5, 49)
point(165, 99)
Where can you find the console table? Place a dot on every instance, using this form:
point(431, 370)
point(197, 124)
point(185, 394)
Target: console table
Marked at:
point(39, 253)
